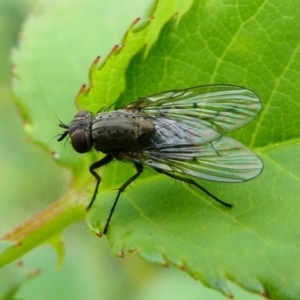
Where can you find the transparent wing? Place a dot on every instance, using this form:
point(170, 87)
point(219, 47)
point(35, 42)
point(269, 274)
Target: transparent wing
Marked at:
point(223, 108)
point(223, 159)
point(191, 132)
point(188, 132)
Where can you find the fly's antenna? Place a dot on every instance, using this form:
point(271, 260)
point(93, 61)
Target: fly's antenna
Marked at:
point(61, 125)
point(62, 136)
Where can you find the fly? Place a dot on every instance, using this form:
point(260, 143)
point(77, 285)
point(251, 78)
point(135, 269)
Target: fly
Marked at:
point(178, 133)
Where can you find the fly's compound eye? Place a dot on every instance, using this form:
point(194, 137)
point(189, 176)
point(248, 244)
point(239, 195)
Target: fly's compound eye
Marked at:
point(80, 142)
point(82, 114)
point(80, 131)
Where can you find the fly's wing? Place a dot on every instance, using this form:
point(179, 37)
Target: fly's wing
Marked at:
point(188, 132)
point(223, 108)
point(224, 160)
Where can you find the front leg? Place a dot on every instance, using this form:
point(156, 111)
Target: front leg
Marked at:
point(102, 162)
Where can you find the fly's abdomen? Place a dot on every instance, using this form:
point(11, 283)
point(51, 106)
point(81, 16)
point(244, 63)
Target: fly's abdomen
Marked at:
point(122, 130)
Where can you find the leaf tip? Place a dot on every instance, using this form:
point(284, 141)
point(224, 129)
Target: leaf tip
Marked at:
point(137, 20)
point(99, 234)
point(165, 263)
point(115, 49)
point(82, 93)
point(55, 154)
point(182, 268)
point(20, 263)
point(93, 69)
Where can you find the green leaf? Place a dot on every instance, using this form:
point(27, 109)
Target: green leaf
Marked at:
point(253, 244)
point(52, 40)
point(253, 44)
point(12, 277)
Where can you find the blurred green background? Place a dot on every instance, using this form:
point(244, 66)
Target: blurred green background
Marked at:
point(30, 180)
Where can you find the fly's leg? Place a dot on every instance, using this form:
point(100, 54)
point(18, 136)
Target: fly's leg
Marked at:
point(139, 170)
point(192, 182)
point(102, 162)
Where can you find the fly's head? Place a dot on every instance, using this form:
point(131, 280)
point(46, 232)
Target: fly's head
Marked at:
point(79, 131)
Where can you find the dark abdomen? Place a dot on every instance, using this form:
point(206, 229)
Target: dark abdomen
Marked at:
point(122, 130)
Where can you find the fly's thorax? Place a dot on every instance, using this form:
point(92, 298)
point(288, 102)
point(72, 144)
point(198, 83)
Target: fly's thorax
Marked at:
point(122, 130)
point(80, 131)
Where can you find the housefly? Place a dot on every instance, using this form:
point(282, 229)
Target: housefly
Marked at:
point(179, 133)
